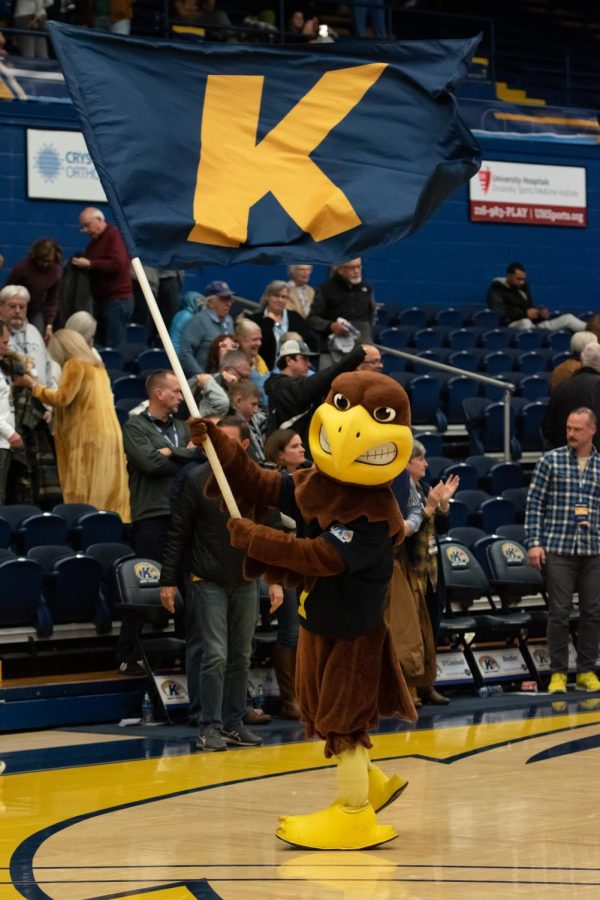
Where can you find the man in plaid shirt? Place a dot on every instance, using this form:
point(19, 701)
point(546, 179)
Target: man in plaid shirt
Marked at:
point(562, 523)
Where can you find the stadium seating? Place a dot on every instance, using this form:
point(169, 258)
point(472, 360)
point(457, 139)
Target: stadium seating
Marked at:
point(152, 359)
point(72, 587)
point(21, 598)
point(510, 575)
point(129, 386)
point(109, 555)
point(99, 527)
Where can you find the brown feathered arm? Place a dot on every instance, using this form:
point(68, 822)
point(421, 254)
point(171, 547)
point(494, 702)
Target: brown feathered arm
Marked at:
point(309, 557)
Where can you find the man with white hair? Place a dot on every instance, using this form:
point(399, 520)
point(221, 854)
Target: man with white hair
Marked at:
point(25, 337)
point(343, 311)
point(568, 368)
point(212, 321)
point(582, 390)
point(109, 267)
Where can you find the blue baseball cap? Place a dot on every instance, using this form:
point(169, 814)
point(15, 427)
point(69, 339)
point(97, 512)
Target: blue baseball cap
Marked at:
point(217, 289)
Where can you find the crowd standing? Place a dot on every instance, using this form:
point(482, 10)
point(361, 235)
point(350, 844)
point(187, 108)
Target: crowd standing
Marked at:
point(260, 370)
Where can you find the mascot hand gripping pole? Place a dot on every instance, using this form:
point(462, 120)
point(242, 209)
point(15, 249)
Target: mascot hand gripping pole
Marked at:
point(341, 560)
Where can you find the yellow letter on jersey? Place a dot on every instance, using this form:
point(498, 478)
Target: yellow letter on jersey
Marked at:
point(235, 172)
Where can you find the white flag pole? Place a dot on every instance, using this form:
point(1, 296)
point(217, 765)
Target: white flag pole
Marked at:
point(188, 396)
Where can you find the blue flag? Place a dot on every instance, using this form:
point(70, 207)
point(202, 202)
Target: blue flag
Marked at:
point(236, 154)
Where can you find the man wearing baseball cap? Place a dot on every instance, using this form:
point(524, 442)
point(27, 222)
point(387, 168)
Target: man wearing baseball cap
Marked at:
point(293, 394)
point(212, 321)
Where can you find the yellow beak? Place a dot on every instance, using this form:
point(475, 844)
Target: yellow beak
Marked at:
point(351, 446)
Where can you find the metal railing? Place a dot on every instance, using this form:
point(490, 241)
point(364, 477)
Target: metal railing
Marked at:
point(506, 387)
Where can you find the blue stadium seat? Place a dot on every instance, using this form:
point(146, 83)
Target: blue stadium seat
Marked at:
point(136, 334)
point(74, 593)
point(529, 425)
point(467, 474)
point(21, 599)
point(502, 476)
point(396, 338)
point(432, 442)
point(497, 361)
point(472, 500)
point(458, 516)
point(12, 515)
point(529, 340)
point(518, 497)
point(5, 533)
point(109, 556)
point(496, 339)
point(483, 464)
point(428, 338)
point(560, 341)
point(100, 527)
point(449, 317)
point(497, 393)
point(71, 512)
point(7, 553)
point(462, 338)
point(466, 535)
point(151, 360)
point(531, 362)
point(129, 386)
point(509, 574)
point(435, 467)
point(495, 512)
point(413, 316)
point(515, 532)
point(437, 354)
point(455, 390)
point(41, 529)
point(485, 318)
point(485, 424)
point(425, 402)
point(468, 360)
point(112, 359)
point(479, 550)
point(558, 358)
point(49, 554)
point(130, 352)
point(535, 387)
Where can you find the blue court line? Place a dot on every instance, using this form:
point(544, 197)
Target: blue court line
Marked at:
point(587, 743)
point(134, 749)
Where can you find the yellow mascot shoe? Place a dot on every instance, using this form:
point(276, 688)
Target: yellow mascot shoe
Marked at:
point(384, 790)
point(335, 828)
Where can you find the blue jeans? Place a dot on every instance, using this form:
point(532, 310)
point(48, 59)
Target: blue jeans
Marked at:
point(112, 317)
point(220, 627)
point(287, 618)
point(375, 9)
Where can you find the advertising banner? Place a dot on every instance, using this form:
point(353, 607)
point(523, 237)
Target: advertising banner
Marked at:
point(524, 194)
point(59, 167)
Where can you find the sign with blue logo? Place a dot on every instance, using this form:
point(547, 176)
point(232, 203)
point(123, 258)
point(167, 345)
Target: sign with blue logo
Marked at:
point(59, 167)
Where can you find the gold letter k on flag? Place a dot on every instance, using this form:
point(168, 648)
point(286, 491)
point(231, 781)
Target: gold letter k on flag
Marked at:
point(235, 172)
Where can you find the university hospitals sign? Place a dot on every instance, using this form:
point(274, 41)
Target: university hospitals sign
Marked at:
point(522, 194)
point(59, 167)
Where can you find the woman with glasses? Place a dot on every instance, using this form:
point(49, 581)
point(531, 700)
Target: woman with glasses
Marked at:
point(275, 319)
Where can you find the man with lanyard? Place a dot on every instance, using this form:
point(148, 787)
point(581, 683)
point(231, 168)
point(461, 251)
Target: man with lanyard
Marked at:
point(157, 446)
point(562, 523)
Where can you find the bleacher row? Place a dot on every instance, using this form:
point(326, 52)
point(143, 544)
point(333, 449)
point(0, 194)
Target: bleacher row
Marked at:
point(60, 566)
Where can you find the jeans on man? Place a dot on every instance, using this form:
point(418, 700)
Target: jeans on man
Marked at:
point(112, 317)
point(565, 575)
point(220, 627)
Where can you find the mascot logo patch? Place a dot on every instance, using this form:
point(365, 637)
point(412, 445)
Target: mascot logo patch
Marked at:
point(146, 573)
point(488, 664)
point(513, 554)
point(342, 534)
point(457, 557)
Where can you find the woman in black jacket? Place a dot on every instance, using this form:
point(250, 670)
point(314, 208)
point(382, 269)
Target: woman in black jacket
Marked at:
point(274, 320)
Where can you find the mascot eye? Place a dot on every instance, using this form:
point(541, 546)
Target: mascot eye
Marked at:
point(384, 414)
point(341, 402)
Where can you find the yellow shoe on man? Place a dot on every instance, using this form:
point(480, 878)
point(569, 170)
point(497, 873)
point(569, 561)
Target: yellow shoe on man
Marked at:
point(587, 681)
point(558, 683)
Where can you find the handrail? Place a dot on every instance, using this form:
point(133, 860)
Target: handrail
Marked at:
point(506, 386)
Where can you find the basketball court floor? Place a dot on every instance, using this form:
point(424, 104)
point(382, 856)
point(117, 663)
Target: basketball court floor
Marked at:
point(503, 802)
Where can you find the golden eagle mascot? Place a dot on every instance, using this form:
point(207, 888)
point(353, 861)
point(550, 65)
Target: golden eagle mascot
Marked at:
point(341, 561)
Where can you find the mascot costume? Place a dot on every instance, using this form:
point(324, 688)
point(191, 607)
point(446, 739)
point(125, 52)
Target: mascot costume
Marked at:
point(341, 561)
